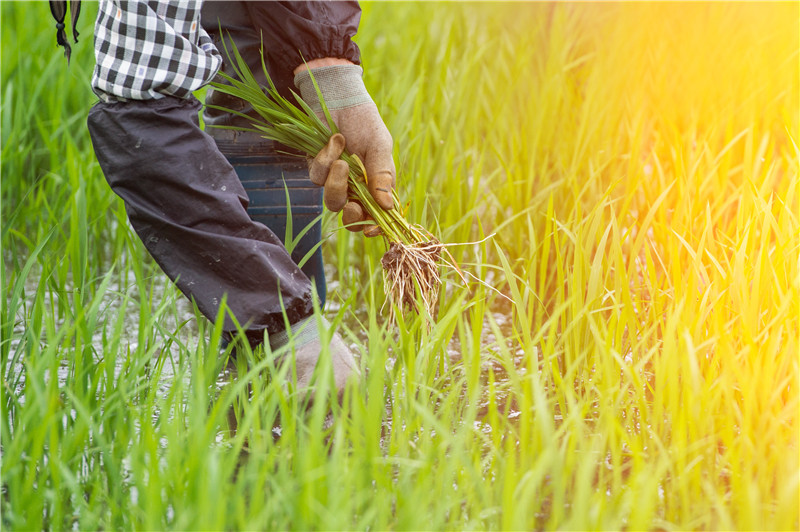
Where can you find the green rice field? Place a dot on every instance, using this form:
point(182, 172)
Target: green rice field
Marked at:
point(630, 361)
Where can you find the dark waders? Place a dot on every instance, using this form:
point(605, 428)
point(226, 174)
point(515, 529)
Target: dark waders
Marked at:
point(267, 175)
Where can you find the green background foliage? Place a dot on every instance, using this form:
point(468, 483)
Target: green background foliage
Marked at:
point(638, 166)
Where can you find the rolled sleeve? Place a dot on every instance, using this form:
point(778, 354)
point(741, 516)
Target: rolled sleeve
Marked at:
point(298, 31)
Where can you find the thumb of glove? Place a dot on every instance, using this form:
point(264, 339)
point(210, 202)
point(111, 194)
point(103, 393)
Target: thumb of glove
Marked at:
point(381, 175)
point(368, 137)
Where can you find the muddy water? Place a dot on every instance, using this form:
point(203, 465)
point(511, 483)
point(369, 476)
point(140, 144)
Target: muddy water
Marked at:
point(110, 306)
point(165, 364)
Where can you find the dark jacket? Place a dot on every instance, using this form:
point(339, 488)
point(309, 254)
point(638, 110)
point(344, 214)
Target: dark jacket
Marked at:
point(291, 32)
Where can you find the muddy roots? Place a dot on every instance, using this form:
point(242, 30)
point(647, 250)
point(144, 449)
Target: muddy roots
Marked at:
point(411, 274)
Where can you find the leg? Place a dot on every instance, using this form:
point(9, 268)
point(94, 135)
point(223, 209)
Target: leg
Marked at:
point(267, 175)
point(187, 205)
point(257, 161)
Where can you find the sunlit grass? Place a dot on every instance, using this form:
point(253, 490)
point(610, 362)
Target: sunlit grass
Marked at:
point(639, 165)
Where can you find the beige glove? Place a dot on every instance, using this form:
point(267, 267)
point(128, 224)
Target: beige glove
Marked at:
point(363, 133)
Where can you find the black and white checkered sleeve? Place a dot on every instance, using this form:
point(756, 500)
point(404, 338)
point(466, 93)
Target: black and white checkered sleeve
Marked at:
point(150, 49)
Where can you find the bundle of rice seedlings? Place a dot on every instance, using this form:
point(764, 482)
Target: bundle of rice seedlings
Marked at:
point(411, 264)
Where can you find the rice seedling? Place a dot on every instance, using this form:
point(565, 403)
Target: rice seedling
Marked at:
point(411, 264)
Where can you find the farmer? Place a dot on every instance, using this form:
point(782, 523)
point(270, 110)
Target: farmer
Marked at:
point(182, 196)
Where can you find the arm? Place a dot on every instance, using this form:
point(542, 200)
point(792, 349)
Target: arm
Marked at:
point(318, 32)
point(318, 36)
point(322, 62)
point(297, 36)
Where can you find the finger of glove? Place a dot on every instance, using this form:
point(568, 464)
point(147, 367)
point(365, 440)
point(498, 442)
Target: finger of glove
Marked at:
point(352, 213)
point(335, 193)
point(380, 186)
point(372, 231)
point(380, 168)
point(368, 137)
point(321, 164)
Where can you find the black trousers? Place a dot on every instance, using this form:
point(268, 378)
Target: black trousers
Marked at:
point(188, 207)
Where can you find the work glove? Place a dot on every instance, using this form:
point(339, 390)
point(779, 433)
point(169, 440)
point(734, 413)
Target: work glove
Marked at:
point(362, 133)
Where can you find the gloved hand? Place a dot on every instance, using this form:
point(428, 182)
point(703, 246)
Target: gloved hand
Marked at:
point(363, 133)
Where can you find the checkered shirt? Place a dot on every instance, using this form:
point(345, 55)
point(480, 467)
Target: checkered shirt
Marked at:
point(146, 50)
